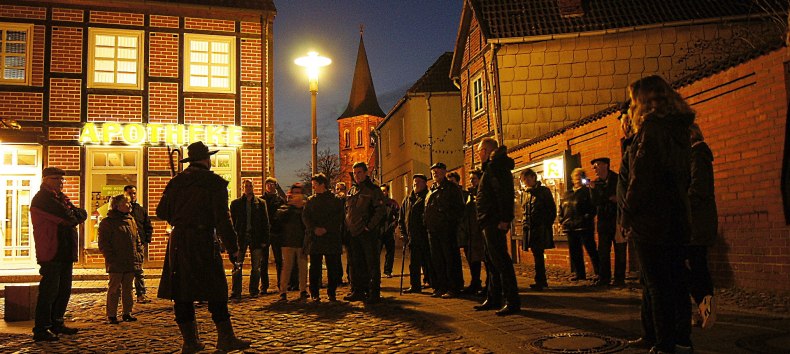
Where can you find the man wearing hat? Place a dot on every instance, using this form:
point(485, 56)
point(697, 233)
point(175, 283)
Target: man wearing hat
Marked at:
point(414, 234)
point(444, 207)
point(55, 221)
point(604, 197)
point(195, 203)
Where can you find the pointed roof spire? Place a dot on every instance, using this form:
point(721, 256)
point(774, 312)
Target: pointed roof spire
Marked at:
point(363, 95)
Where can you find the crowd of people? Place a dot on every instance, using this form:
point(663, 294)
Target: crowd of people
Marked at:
point(662, 201)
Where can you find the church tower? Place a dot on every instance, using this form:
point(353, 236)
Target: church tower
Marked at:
point(362, 114)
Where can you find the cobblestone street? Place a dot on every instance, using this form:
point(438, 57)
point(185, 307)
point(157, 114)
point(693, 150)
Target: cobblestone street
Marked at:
point(408, 323)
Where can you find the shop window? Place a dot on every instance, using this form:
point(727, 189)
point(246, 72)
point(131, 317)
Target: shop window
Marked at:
point(116, 58)
point(359, 137)
point(16, 44)
point(20, 178)
point(347, 138)
point(109, 170)
point(223, 163)
point(478, 99)
point(209, 63)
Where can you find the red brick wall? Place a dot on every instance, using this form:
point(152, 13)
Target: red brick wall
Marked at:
point(157, 159)
point(66, 49)
point(209, 111)
point(250, 106)
point(35, 13)
point(21, 105)
point(71, 187)
point(156, 250)
point(163, 21)
point(115, 108)
point(251, 160)
point(62, 133)
point(251, 137)
point(117, 18)
point(163, 54)
point(64, 99)
point(209, 24)
point(251, 27)
point(39, 41)
point(163, 102)
point(65, 157)
point(251, 59)
point(71, 15)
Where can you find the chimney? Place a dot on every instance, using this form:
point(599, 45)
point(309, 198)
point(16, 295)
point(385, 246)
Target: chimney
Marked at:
point(571, 8)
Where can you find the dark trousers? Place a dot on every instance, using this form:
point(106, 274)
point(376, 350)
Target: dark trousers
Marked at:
point(502, 277)
point(257, 259)
point(662, 267)
point(540, 266)
point(54, 291)
point(185, 311)
point(139, 282)
point(419, 261)
point(699, 280)
point(388, 244)
point(577, 239)
point(605, 242)
point(446, 261)
point(334, 271)
point(475, 267)
point(366, 263)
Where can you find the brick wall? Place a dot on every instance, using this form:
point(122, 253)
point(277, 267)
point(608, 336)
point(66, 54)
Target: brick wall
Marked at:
point(251, 27)
point(156, 250)
point(115, 108)
point(250, 106)
point(64, 99)
point(191, 23)
point(251, 59)
point(209, 111)
point(70, 15)
point(65, 157)
point(63, 133)
point(21, 105)
point(39, 43)
point(163, 54)
point(117, 18)
point(163, 21)
point(33, 13)
point(251, 137)
point(66, 49)
point(157, 159)
point(71, 188)
point(163, 102)
point(251, 160)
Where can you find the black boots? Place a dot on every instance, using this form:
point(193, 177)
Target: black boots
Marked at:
point(227, 340)
point(189, 333)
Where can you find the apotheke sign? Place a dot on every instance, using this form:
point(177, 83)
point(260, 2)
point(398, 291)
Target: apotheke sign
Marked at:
point(155, 134)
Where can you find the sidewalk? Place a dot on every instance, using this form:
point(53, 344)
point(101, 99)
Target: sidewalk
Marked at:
point(408, 323)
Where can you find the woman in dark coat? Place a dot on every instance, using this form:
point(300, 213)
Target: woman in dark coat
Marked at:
point(471, 237)
point(577, 214)
point(538, 214)
point(656, 214)
point(122, 248)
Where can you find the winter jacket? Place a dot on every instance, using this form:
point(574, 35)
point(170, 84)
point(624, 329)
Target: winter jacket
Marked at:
point(326, 211)
point(365, 208)
point(704, 217)
point(577, 210)
point(290, 225)
point(195, 202)
point(538, 214)
point(259, 237)
point(495, 194)
point(444, 207)
point(411, 221)
point(622, 185)
point(605, 208)
point(470, 235)
point(144, 226)
point(55, 221)
point(656, 205)
point(119, 242)
point(273, 203)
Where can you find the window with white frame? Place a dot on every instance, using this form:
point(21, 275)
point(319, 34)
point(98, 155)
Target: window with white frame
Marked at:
point(16, 44)
point(109, 169)
point(478, 99)
point(209, 63)
point(116, 58)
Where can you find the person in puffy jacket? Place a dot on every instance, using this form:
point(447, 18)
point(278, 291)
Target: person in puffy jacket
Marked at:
point(577, 214)
point(122, 248)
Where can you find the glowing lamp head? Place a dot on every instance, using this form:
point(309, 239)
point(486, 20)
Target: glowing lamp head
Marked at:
point(312, 62)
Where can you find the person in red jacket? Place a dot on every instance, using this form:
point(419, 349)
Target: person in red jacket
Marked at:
point(55, 221)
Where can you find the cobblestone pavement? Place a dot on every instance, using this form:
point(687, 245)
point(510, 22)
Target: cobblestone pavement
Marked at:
point(413, 323)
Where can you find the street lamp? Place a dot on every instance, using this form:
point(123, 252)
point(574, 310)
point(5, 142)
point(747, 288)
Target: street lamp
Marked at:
point(313, 62)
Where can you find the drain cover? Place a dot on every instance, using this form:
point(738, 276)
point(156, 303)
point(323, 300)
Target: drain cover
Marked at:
point(567, 343)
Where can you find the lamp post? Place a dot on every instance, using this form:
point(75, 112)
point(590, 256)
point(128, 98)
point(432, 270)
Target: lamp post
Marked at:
point(313, 62)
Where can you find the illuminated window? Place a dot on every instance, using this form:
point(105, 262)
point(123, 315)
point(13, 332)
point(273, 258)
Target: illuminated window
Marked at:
point(359, 137)
point(347, 138)
point(116, 58)
point(109, 170)
point(16, 44)
point(478, 101)
point(209, 63)
point(223, 163)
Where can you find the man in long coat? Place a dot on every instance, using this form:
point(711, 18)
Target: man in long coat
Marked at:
point(195, 203)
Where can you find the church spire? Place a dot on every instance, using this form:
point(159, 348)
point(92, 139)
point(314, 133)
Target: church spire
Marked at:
point(363, 96)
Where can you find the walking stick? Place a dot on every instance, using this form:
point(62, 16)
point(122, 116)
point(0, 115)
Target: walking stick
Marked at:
point(403, 265)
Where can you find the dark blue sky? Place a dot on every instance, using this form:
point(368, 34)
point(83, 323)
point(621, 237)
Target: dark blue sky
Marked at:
point(402, 38)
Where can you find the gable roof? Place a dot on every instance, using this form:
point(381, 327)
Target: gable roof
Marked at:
point(263, 5)
point(363, 95)
point(435, 78)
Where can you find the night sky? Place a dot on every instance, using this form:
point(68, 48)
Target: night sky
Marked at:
point(402, 38)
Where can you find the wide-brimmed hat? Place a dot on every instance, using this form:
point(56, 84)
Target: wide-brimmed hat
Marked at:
point(52, 171)
point(197, 151)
